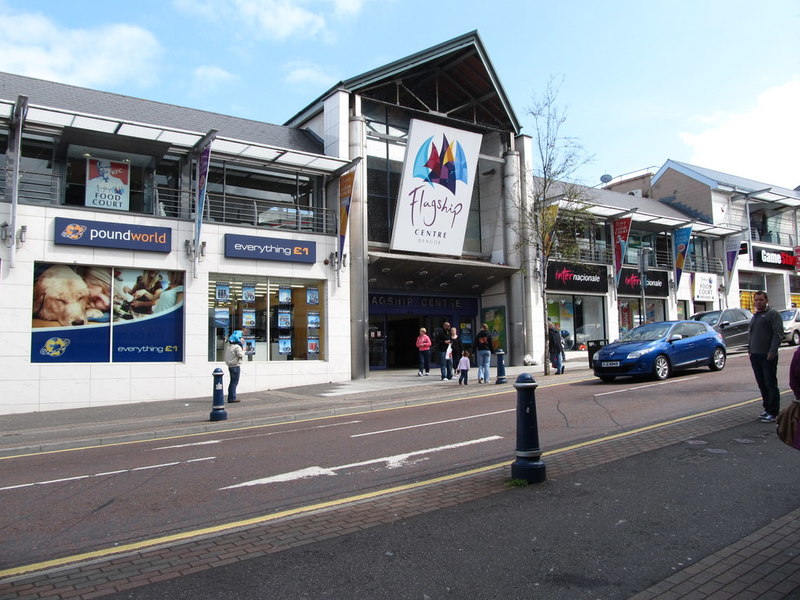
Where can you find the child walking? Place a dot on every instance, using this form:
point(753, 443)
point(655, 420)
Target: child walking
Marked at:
point(463, 368)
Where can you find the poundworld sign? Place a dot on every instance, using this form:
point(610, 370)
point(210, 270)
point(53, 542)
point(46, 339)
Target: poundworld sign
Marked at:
point(99, 234)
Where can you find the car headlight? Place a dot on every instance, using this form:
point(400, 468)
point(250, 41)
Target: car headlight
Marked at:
point(640, 353)
point(596, 356)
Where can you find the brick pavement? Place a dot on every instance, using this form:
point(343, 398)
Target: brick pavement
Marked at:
point(765, 564)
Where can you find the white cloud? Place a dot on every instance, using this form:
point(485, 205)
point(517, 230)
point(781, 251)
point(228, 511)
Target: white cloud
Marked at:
point(208, 78)
point(308, 74)
point(32, 45)
point(759, 144)
point(275, 19)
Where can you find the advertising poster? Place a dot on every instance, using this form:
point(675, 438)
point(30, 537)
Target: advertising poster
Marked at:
point(248, 318)
point(313, 320)
point(249, 342)
point(284, 319)
point(222, 318)
point(248, 293)
point(107, 184)
point(312, 295)
point(284, 344)
point(102, 314)
point(284, 295)
point(313, 345)
point(223, 292)
point(435, 189)
point(495, 318)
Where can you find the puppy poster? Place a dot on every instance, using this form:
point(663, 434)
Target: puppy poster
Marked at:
point(77, 310)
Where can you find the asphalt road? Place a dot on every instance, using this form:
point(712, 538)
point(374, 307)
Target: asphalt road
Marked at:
point(61, 504)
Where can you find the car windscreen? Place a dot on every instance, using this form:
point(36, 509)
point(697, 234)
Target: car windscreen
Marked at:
point(709, 317)
point(647, 333)
point(787, 315)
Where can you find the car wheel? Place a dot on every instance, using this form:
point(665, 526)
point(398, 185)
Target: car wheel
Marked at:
point(661, 367)
point(607, 378)
point(717, 360)
point(795, 337)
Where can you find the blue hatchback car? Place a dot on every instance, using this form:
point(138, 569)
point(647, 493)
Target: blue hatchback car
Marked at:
point(657, 349)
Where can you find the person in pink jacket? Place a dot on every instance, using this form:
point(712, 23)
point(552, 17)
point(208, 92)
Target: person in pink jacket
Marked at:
point(424, 347)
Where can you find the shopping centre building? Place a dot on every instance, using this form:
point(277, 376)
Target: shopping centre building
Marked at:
point(137, 235)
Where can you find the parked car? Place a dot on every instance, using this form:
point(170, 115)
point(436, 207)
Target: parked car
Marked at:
point(732, 323)
point(791, 325)
point(658, 349)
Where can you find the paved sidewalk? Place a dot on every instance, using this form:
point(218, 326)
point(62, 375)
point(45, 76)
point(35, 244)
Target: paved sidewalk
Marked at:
point(703, 508)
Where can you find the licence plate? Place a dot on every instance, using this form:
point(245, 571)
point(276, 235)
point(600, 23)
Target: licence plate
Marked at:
point(609, 363)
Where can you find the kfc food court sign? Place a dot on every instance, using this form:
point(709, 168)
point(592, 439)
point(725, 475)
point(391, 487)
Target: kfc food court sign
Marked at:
point(99, 234)
point(772, 258)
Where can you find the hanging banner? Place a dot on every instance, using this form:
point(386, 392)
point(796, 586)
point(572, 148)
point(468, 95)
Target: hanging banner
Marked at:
point(345, 195)
point(680, 246)
point(732, 245)
point(107, 184)
point(622, 228)
point(203, 161)
point(435, 189)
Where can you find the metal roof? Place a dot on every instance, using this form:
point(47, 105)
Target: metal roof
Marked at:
point(749, 188)
point(454, 79)
point(60, 106)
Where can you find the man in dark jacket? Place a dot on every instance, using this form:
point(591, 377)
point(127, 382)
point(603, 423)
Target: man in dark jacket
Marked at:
point(442, 342)
point(766, 331)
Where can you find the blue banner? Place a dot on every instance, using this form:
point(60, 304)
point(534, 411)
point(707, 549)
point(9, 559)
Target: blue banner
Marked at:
point(264, 248)
point(158, 338)
point(680, 241)
point(101, 234)
point(70, 344)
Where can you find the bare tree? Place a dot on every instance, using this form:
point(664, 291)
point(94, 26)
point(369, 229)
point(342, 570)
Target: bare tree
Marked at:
point(553, 215)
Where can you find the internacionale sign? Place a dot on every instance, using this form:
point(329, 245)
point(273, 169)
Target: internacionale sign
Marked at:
point(435, 189)
point(99, 234)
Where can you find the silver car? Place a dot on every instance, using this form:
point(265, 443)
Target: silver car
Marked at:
point(791, 325)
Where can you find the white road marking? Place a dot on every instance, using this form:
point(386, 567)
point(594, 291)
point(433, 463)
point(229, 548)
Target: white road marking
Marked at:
point(391, 462)
point(244, 437)
point(104, 474)
point(499, 412)
point(641, 387)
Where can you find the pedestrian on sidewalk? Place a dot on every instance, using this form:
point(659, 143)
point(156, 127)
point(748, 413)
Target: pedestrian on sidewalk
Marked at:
point(453, 353)
point(442, 344)
point(554, 347)
point(234, 354)
point(483, 351)
point(463, 368)
point(424, 348)
point(766, 331)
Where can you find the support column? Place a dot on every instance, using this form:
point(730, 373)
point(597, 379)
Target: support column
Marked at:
point(358, 261)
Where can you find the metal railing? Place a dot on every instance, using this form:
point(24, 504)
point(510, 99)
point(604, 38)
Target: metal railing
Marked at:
point(44, 188)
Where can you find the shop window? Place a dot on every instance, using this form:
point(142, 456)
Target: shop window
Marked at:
point(84, 313)
point(280, 319)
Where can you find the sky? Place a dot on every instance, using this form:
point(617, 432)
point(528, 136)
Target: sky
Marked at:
point(714, 83)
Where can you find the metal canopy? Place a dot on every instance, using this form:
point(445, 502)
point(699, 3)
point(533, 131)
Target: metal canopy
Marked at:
point(282, 157)
point(403, 272)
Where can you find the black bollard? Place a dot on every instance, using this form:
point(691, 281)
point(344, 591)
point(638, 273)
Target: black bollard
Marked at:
point(501, 367)
point(528, 464)
point(218, 412)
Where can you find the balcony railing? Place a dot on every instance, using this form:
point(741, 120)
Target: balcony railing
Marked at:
point(44, 188)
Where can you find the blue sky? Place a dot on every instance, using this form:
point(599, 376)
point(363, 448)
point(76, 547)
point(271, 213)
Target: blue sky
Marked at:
point(710, 82)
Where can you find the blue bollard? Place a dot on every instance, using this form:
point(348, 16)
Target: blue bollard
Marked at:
point(528, 464)
point(218, 412)
point(501, 367)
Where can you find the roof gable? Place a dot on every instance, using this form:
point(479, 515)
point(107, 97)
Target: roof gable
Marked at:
point(454, 80)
